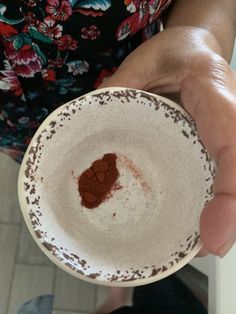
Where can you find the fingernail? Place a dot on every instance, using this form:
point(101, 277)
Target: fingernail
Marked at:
point(225, 248)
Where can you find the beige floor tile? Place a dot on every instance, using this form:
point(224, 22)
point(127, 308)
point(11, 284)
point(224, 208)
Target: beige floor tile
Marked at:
point(9, 207)
point(29, 251)
point(29, 282)
point(72, 293)
point(8, 243)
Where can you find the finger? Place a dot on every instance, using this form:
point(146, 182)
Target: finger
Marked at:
point(218, 219)
point(121, 79)
point(126, 76)
point(218, 224)
point(212, 103)
point(203, 252)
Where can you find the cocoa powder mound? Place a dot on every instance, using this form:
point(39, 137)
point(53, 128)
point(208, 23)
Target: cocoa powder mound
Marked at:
point(96, 183)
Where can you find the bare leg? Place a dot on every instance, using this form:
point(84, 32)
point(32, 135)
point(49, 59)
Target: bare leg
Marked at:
point(117, 297)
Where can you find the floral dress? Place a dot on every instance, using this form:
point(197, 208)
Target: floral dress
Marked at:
point(52, 51)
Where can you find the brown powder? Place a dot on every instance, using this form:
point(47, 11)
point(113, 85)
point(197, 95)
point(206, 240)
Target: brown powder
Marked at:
point(96, 183)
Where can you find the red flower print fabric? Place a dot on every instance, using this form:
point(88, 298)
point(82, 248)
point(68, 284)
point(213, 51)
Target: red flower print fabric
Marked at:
point(66, 42)
point(90, 32)
point(143, 12)
point(52, 51)
point(59, 10)
point(49, 27)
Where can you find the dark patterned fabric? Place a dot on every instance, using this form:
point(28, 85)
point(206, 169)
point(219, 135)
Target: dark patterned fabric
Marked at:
point(52, 51)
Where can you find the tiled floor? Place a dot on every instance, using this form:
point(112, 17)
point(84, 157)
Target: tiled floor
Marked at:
point(25, 272)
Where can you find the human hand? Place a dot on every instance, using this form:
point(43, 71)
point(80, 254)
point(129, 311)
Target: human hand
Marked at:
point(187, 60)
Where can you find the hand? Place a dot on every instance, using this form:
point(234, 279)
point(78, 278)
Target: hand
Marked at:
point(187, 60)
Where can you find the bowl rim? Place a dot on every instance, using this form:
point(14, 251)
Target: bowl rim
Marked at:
point(50, 254)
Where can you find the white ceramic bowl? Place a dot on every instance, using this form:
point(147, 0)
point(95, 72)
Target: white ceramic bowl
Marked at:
point(155, 229)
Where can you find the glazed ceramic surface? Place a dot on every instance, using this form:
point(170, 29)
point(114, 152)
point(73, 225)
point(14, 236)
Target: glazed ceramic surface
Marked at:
point(148, 228)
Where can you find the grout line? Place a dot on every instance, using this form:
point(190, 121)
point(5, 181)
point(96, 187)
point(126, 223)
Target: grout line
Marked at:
point(10, 223)
point(14, 270)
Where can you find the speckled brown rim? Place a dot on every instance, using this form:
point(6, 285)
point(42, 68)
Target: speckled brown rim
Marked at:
point(65, 261)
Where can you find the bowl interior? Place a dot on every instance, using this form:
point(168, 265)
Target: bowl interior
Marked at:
point(149, 226)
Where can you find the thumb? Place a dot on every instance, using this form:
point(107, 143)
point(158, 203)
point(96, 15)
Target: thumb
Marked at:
point(137, 71)
point(218, 224)
point(123, 77)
